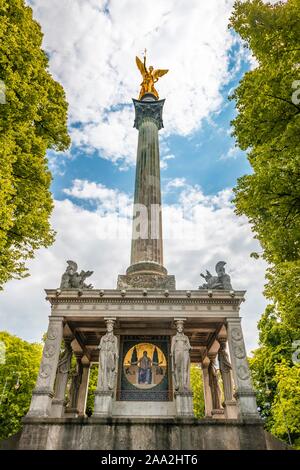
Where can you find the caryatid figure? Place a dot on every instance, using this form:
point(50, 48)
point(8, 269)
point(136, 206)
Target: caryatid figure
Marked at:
point(108, 358)
point(180, 354)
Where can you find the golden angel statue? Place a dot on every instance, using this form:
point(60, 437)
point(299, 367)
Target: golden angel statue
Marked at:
point(150, 76)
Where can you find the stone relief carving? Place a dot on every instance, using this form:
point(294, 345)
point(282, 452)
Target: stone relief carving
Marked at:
point(221, 281)
point(49, 350)
point(45, 371)
point(52, 333)
point(243, 373)
point(180, 356)
point(239, 351)
point(71, 279)
point(152, 281)
point(236, 334)
point(108, 359)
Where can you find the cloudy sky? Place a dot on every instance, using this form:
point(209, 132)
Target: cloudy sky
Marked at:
point(92, 46)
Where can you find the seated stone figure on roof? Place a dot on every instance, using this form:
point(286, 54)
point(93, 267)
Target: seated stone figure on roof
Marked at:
point(71, 279)
point(221, 281)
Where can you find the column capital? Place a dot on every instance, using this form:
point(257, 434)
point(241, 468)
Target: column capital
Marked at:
point(231, 320)
point(53, 318)
point(145, 110)
point(212, 355)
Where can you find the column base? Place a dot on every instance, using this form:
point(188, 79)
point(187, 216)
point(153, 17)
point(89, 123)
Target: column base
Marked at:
point(71, 412)
point(217, 414)
point(103, 403)
point(146, 281)
point(57, 408)
point(41, 402)
point(184, 403)
point(247, 407)
point(231, 411)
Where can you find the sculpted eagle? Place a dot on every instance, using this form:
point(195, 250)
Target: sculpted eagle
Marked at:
point(150, 76)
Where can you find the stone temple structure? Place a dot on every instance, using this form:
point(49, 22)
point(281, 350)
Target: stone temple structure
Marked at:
point(144, 334)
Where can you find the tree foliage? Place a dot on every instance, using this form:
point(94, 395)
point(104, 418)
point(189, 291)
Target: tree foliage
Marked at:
point(197, 389)
point(268, 127)
point(32, 120)
point(19, 367)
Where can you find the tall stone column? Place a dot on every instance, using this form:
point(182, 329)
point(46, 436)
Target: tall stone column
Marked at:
point(245, 395)
point(206, 387)
point(83, 389)
point(58, 402)
point(225, 369)
point(146, 264)
point(147, 245)
point(43, 393)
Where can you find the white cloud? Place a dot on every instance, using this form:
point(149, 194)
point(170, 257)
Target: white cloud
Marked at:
point(232, 154)
point(107, 199)
point(93, 44)
point(175, 183)
point(164, 161)
point(199, 231)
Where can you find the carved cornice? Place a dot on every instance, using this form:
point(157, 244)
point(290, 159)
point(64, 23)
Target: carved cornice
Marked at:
point(142, 301)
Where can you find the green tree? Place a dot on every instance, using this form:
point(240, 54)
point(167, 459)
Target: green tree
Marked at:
point(32, 120)
point(91, 391)
point(19, 367)
point(197, 389)
point(267, 126)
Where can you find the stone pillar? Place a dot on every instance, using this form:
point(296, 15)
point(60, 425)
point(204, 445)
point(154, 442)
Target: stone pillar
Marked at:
point(225, 369)
point(108, 362)
point(147, 196)
point(245, 395)
point(146, 263)
point(59, 401)
point(180, 357)
point(217, 410)
point(43, 393)
point(206, 387)
point(83, 389)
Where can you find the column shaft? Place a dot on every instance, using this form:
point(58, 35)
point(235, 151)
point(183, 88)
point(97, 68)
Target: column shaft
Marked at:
point(83, 389)
point(147, 220)
point(206, 389)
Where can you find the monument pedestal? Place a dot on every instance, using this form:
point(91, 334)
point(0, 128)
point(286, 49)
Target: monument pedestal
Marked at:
point(103, 403)
point(58, 408)
point(184, 404)
point(142, 434)
point(230, 409)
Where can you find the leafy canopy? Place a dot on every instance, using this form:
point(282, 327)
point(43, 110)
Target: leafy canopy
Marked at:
point(19, 367)
point(32, 120)
point(268, 127)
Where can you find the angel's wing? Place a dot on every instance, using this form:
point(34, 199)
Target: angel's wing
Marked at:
point(159, 73)
point(140, 66)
